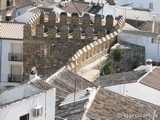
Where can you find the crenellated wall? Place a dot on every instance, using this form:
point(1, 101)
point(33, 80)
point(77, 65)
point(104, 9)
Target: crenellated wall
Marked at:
point(49, 44)
point(92, 52)
point(33, 22)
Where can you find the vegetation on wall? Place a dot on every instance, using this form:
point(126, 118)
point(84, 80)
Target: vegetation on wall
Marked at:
point(107, 69)
point(117, 54)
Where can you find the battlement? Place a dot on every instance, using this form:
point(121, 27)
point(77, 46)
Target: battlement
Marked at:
point(91, 52)
point(70, 28)
point(51, 40)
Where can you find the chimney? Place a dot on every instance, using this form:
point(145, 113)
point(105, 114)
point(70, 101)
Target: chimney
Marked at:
point(154, 19)
point(148, 65)
point(33, 75)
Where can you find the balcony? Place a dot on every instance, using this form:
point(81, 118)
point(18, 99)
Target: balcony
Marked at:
point(15, 57)
point(15, 78)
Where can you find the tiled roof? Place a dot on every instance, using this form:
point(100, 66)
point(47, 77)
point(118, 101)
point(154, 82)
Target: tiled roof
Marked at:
point(152, 79)
point(70, 8)
point(21, 3)
point(148, 26)
point(10, 30)
point(41, 85)
point(119, 78)
point(108, 105)
point(64, 82)
point(141, 33)
point(68, 106)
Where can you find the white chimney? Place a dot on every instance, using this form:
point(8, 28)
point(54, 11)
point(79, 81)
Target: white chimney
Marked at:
point(33, 75)
point(148, 65)
point(154, 19)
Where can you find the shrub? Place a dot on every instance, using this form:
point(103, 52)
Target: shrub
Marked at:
point(117, 54)
point(107, 69)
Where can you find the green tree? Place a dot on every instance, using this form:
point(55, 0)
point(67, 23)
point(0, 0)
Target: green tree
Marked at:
point(107, 69)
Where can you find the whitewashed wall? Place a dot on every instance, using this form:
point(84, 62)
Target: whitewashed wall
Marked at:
point(5, 64)
point(138, 91)
point(19, 108)
point(128, 12)
point(146, 41)
point(141, 4)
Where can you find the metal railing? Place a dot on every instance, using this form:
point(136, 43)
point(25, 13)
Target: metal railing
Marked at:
point(15, 56)
point(15, 78)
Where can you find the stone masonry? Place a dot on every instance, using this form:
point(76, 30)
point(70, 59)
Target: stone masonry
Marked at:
point(50, 45)
point(131, 57)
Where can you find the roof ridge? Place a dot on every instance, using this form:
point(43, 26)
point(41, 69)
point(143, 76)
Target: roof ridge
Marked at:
point(139, 80)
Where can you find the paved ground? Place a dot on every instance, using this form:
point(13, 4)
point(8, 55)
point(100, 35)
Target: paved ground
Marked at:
point(89, 72)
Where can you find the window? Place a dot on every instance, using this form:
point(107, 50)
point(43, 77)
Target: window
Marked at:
point(9, 2)
point(24, 117)
point(15, 74)
point(150, 6)
point(17, 48)
point(152, 40)
point(16, 53)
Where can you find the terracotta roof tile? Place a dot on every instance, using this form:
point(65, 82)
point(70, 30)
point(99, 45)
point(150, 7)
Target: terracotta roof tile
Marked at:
point(152, 79)
point(119, 78)
point(11, 30)
point(108, 105)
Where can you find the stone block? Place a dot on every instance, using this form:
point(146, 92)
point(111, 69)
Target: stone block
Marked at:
point(96, 47)
point(102, 32)
point(109, 22)
point(52, 18)
point(39, 31)
point(100, 45)
point(27, 31)
point(74, 19)
point(88, 51)
point(77, 33)
point(84, 50)
point(52, 31)
point(86, 20)
point(63, 18)
point(97, 20)
point(92, 49)
point(89, 34)
point(64, 33)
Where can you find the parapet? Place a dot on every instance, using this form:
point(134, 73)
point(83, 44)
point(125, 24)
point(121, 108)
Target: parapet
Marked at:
point(76, 27)
point(39, 31)
point(92, 51)
point(27, 31)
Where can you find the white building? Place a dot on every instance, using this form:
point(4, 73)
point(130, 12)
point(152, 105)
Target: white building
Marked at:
point(141, 4)
point(128, 12)
point(137, 84)
point(29, 101)
point(146, 39)
point(11, 53)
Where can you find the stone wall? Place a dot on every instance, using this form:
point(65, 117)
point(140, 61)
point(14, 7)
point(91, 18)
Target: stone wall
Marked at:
point(33, 22)
point(49, 45)
point(75, 20)
point(131, 57)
